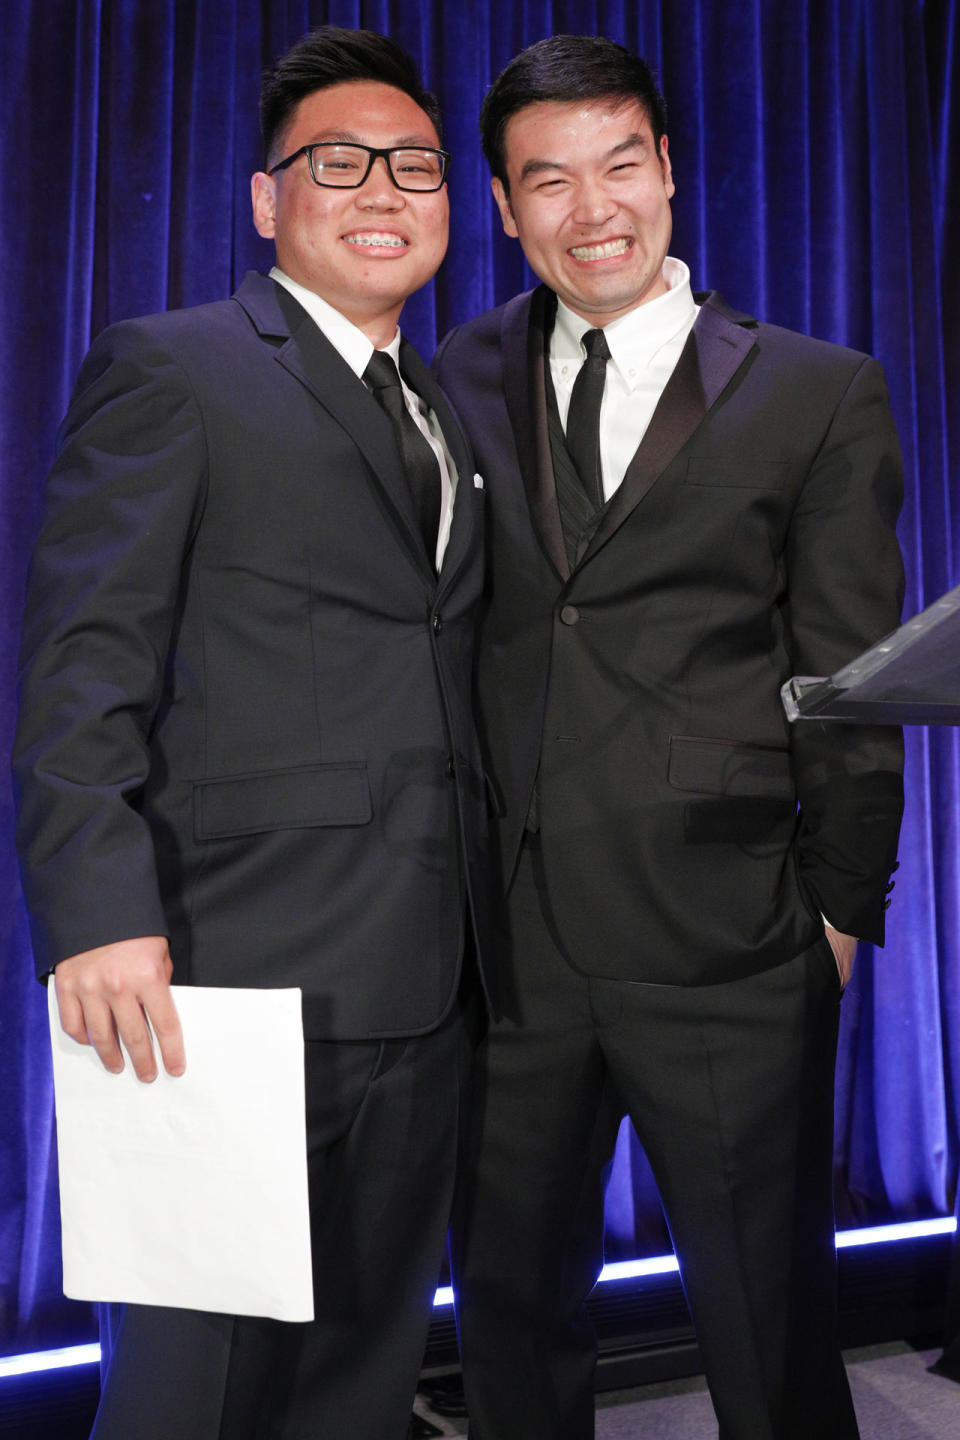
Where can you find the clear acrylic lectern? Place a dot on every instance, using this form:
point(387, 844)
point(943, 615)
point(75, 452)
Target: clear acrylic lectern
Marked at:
point(912, 677)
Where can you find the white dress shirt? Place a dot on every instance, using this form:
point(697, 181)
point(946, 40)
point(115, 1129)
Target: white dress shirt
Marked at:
point(645, 346)
point(351, 343)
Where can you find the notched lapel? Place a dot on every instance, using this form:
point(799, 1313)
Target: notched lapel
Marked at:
point(523, 347)
point(716, 347)
point(308, 356)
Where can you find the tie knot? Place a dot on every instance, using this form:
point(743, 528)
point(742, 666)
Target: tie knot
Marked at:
point(381, 372)
point(595, 344)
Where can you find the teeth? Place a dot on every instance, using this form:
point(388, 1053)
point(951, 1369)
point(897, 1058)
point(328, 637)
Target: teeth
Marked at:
point(600, 252)
point(367, 237)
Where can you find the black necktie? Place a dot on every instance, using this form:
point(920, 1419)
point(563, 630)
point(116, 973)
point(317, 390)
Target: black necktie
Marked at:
point(583, 417)
point(419, 461)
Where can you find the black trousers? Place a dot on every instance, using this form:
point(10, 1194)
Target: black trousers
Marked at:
point(382, 1130)
point(730, 1088)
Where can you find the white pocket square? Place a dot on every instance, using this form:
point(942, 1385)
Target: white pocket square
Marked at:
point(478, 482)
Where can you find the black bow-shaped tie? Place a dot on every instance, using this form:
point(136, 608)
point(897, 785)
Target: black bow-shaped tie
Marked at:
point(419, 461)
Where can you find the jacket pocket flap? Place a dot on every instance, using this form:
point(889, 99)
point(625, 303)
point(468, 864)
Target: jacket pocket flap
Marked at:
point(337, 794)
point(729, 767)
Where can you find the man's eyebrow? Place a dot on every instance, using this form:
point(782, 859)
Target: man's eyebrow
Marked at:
point(534, 167)
point(634, 141)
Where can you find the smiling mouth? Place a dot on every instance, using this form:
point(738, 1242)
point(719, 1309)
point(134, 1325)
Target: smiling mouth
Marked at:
point(604, 251)
point(377, 237)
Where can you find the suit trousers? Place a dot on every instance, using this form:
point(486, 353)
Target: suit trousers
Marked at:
point(382, 1132)
point(730, 1088)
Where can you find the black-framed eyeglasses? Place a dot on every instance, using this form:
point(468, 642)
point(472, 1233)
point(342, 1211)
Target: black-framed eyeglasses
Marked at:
point(347, 166)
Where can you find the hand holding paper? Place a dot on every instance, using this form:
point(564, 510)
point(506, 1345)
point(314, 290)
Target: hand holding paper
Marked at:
point(108, 994)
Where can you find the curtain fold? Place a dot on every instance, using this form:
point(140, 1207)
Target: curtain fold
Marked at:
point(814, 147)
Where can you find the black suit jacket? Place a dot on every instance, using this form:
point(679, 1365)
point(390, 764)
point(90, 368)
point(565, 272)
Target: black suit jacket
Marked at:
point(752, 539)
point(246, 702)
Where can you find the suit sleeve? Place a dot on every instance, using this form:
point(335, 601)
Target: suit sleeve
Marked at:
point(845, 579)
point(121, 506)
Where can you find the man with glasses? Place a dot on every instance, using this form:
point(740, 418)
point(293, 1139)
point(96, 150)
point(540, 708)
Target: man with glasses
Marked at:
point(246, 754)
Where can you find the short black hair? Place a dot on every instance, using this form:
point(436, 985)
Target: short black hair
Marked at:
point(331, 55)
point(567, 67)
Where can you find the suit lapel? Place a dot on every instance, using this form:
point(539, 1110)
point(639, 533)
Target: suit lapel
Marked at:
point(463, 524)
point(308, 355)
point(716, 347)
point(523, 347)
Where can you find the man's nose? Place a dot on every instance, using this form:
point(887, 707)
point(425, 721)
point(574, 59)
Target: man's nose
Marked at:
point(378, 190)
point(594, 204)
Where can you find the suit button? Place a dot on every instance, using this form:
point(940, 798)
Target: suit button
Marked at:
point(569, 614)
point(451, 771)
point(437, 624)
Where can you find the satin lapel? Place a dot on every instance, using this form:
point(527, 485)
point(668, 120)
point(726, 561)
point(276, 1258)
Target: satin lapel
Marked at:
point(308, 355)
point(716, 348)
point(463, 527)
point(523, 349)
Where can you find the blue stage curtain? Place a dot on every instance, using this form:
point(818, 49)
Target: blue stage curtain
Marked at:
point(811, 150)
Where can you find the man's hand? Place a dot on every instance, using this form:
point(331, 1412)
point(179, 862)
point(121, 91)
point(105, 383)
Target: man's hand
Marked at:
point(844, 949)
point(107, 993)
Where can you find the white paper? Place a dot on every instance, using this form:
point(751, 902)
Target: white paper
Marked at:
point(191, 1191)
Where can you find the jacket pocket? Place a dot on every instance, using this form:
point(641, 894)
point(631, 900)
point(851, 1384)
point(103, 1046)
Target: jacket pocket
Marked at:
point(729, 767)
point(335, 794)
point(755, 782)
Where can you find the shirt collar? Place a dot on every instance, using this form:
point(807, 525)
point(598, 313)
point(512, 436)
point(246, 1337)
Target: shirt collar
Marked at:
point(349, 341)
point(635, 338)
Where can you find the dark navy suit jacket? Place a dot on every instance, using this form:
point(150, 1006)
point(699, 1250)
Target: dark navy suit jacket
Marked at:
point(246, 696)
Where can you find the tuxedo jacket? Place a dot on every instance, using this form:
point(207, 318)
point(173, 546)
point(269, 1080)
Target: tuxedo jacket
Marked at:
point(246, 716)
point(688, 833)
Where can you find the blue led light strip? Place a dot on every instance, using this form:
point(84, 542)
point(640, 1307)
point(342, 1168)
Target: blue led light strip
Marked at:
point(620, 1270)
point(49, 1360)
point(846, 1239)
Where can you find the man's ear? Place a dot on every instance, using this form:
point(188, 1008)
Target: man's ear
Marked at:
point(503, 205)
point(263, 196)
point(666, 168)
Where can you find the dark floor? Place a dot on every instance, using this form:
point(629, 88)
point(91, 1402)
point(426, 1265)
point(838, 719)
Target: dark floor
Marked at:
point(895, 1395)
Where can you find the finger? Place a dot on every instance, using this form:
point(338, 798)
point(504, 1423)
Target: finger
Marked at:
point(135, 1034)
point(102, 1033)
point(71, 1014)
point(165, 1021)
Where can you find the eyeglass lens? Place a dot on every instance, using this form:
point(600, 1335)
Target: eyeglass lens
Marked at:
point(334, 164)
